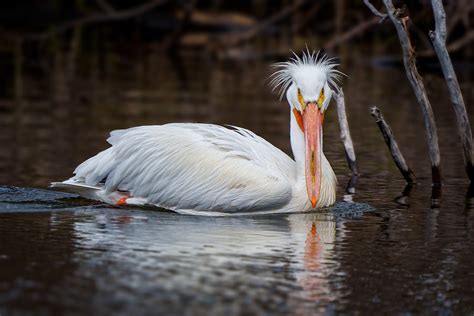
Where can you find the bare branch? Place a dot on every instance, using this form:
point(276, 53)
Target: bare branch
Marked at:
point(345, 132)
point(393, 146)
point(416, 82)
point(376, 12)
point(438, 37)
point(440, 21)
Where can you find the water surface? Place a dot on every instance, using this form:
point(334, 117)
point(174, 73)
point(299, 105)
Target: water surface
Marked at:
point(62, 254)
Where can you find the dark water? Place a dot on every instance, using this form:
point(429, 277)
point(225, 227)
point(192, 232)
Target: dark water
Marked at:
point(61, 254)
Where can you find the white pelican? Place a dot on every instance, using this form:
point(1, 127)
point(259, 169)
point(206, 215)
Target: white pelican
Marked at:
point(214, 170)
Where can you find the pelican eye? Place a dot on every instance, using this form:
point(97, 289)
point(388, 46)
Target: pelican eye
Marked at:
point(301, 100)
point(321, 98)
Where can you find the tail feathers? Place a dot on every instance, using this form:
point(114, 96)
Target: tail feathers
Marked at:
point(94, 192)
point(87, 191)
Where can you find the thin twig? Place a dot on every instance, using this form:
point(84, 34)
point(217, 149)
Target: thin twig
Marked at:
point(345, 132)
point(376, 12)
point(438, 37)
point(393, 146)
point(416, 82)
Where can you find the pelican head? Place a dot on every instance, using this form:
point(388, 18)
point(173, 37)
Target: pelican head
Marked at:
point(309, 82)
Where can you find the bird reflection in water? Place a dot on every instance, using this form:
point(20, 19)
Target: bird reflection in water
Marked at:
point(317, 238)
point(192, 256)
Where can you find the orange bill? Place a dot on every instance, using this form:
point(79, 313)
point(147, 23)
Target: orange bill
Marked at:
point(313, 134)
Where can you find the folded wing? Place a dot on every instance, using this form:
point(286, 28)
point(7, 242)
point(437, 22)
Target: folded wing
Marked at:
point(199, 167)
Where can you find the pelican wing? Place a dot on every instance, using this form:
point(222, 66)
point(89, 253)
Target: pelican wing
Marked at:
point(201, 167)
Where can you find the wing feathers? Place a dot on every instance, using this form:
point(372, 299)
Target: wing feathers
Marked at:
point(193, 166)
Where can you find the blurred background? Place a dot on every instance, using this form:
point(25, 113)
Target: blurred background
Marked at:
point(71, 71)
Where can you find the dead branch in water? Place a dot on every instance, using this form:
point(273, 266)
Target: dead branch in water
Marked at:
point(436, 192)
point(345, 132)
point(352, 184)
point(409, 60)
point(438, 37)
point(393, 146)
point(403, 199)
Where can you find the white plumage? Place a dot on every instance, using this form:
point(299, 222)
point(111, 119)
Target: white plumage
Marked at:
point(213, 170)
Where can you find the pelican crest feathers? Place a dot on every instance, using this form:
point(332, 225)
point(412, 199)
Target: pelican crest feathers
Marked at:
point(285, 72)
